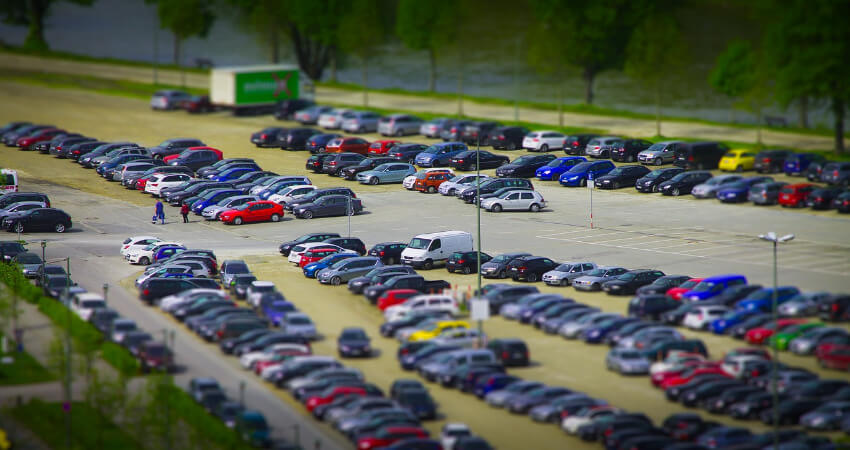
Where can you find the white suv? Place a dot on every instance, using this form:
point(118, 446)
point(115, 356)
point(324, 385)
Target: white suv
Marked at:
point(419, 303)
point(700, 318)
point(543, 141)
point(135, 243)
point(159, 181)
point(291, 193)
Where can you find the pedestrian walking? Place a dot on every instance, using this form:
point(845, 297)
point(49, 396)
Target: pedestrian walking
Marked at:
point(159, 213)
point(184, 211)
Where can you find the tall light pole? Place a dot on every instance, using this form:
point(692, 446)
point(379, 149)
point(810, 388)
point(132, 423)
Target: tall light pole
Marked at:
point(105, 291)
point(774, 370)
point(68, 426)
point(478, 216)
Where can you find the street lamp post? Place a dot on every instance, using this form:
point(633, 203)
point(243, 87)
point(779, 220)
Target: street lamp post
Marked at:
point(771, 237)
point(43, 247)
point(478, 239)
point(68, 349)
point(105, 291)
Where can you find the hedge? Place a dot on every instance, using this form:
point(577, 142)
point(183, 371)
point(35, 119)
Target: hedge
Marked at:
point(196, 417)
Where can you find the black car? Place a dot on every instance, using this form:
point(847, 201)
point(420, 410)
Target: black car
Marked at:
point(154, 289)
point(212, 168)
point(101, 318)
point(62, 147)
point(335, 162)
point(240, 283)
point(834, 309)
point(296, 138)
point(466, 262)
point(473, 160)
point(389, 252)
point(10, 249)
point(720, 403)
point(268, 137)
point(16, 197)
point(350, 172)
point(349, 243)
point(406, 152)
point(39, 219)
point(789, 411)
point(498, 267)
point(629, 282)
point(174, 146)
point(699, 155)
point(315, 162)
point(683, 183)
point(328, 206)
point(530, 268)
point(621, 177)
point(576, 144)
point(319, 193)
point(285, 109)
point(694, 396)
point(79, 149)
point(662, 285)
point(54, 285)
point(353, 342)
point(822, 198)
point(286, 247)
point(842, 202)
point(771, 161)
point(317, 142)
point(524, 166)
point(195, 159)
point(477, 132)
point(628, 149)
point(492, 185)
point(651, 306)
point(418, 402)
point(511, 352)
point(509, 138)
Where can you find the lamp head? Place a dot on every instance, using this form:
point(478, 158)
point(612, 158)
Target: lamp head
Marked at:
point(786, 238)
point(770, 236)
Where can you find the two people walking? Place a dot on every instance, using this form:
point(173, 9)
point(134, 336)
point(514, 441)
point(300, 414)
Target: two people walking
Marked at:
point(159, 213)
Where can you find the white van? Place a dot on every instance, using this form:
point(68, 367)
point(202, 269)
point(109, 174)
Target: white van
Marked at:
point(8, 181)
point(426, 250)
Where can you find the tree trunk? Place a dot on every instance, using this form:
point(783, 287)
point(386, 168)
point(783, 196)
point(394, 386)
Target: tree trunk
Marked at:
point(838, 110)
point(274, 44)
point(312, 56)
point(658, 109)
point(758, 125)
point(460, 91)
point(804, 111)
point(432, 73)
point(365, 73)
point(37, 11)
point(176, 50)
point(589, 74)
point(333, 63)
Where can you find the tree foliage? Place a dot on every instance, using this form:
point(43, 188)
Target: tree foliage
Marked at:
point(363, 30)
point(266, 19)
point(32, 14)
point(734, 69)
point(185, 19)
point(428, 26)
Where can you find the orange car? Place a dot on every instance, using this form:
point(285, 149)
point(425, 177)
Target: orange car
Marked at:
point(430, 181)
point(382, 147)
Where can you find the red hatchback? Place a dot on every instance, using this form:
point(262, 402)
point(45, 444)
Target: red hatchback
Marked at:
point(382, 147)
point(332, 393)
point(836, 358)
point(390, 435)
point(758, 336)
point(348, 144)
point(689, 375)
point(676, 292)
point(795, 194)
point(315, 254)
point(26, 142)
point(192, 149)
point(259, 211)
point(395, 297)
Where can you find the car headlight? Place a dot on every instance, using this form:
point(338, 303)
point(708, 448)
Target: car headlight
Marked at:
point(573, 178)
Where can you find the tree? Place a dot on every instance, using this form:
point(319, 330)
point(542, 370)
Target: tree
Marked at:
point(32, 14)
point(655, 53)
point(733, 74)
point(428, 26)
point(809, 46)
point(265, 18)
point(313, 29)
point(185, 19)
point(360, 34)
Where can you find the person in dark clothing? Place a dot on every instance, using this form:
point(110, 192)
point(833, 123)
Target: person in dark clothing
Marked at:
point(160, 212)
point(184, 211)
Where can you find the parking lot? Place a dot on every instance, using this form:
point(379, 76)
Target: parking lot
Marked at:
point(676, 235)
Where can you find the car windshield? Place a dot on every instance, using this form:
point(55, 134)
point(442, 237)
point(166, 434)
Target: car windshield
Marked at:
point(432, 150)
point(704, 286)
point(524, 160)
point(555, 163)
point(597, 272)
point(419, 243)
point(298, 320)
point(241, 207)
point(630, 355)
point(57, 282)
point(236, 268)
point(28, 258)
point(580, 167)
point(680, 177)
point(617, 171)
point(626, 277)
point(353, 335)
point(656, 147)
point(564, 268)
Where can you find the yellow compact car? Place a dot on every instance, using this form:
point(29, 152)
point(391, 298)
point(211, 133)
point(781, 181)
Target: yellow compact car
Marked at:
point(737, 161)
point(434, 330)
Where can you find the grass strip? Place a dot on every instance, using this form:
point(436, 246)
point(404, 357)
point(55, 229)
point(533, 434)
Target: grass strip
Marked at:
point(24, 369)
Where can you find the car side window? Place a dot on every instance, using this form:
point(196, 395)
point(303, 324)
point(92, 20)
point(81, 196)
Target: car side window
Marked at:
point(527, 196)
point(512, 197)
point(435, 245)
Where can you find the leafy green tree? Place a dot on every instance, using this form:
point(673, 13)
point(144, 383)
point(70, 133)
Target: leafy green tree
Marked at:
point(185, 19)
point(32, 14)
point(313, 29)
point(360, 34)
point(733, 74)
point(265, 18)
point(655, 53)
point(428, 26)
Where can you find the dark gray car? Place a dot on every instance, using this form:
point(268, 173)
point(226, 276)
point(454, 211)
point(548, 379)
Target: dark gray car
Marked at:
point(347, 269)
point(498, 266)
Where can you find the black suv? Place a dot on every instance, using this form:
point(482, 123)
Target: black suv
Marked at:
point(195, 159)
point(406, 152)
point(651, 181)
point(335, 162)
point(268, 137)
point(498, 266)
point(576, 144)
point(315, 162)
point(621, 177)
point(350, 172)
point(389, 252)
point(296, 138)
point(475, 132)
point(490, 186)
point(651, 306)
point(466, 262)
point(771, 161)
point(285, 109)
point(700, 155)
point(349, 243)
point(530, 268)
point(312, 237)
point(835, 309)
point(524, 166)
point(629, 282)
point(509, 138)
point(174, 146)
point(154, 289)
point(15, 197)
point(40, 219)
point(683, 183)
point(628, 149)
point(317, 194)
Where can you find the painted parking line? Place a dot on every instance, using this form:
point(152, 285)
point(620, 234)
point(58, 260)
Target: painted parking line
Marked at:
point(646, 236)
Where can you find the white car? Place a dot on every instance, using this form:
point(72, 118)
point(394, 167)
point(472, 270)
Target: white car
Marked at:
point(249, 359)
point(734, 365)
point(291, 193)
point(84, 304)
point(460, 337)
point(144, 256)
point(175, 301)
point(700, 318)
point(333, 120)
point(256, 290)
point(451, 186)
point(135, 243)
point(213, 211)
point(410, 180)
point(298, 250)
point(159, 181)
point(516, 201)
point(418, 303)
point(573, 422)
point(451, 431)
point(543, 141)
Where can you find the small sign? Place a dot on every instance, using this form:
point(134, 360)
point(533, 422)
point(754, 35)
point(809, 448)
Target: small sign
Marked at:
point(590, 184)
point(479, 309)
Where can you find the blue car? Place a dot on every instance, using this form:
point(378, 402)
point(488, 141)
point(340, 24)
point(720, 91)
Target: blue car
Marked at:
point(277, 310)
point(556, 167)
point(713, 286)
point(596, 334)
point(234, 173)
point(762, 299)
point(278, 186)
point(177, 275)
point(527, 312)
point(439, 154)
point(737, 192)
point(798, 163)
point(214, 198)
point(310, 270)
point(167, 252)
point(732, 318)
point(581, 172)
point(724, 436)
point(494, 382)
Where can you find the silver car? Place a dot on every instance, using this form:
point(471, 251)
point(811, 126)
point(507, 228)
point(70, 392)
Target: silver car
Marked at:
point(451, 186)
point(594, 279)
point(361, 122)
point(299, 324)
point(573, 329)
point(347, 269)
point(399, 125)
point(802, 305)
point(501, 397)
point(627, 361)
point(131, 170)
point(213, 211)
point(332, 120)
point(601, 147)
point(434, 127)
point(659, 331)
point(709, 188)
point(808, 341)
point(309, 116)
point(512, 310)
point(660, 153)
point(120, 152)
point(29, 263)
point(564, 274)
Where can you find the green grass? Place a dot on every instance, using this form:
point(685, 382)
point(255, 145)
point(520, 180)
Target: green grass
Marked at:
point(24, 370)
point(45, 420)
point(93, 59)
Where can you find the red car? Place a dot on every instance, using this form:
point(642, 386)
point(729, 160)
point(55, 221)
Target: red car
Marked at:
point(190, 149)
point(827, 347)
point(689, 375)
point(259, 211)
point(348, 144)
point(676, 292)
point(659, 378)
point(837, 358)
point(26, 142)
point(758, 336)
point(795, 194)
point(197, 104)
point(382, 147)
point(395, 297)
point(279, 358)
point(317, 253)
point(332, 393)
point(389, 436)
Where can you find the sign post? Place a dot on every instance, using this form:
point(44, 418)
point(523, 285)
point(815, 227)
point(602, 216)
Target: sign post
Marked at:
point(590, 186)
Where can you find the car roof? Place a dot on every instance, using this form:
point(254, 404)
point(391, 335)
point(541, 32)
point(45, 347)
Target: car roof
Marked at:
point(262, 283)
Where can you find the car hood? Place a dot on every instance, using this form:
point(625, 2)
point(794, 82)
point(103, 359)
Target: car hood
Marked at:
point(587, 278)
point(355, 343)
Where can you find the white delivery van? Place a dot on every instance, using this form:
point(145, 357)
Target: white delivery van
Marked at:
point(8, 181)
point(426, 250)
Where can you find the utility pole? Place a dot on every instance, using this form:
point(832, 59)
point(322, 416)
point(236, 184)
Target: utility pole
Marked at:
point(155, 57)
point(478, 216)
point(105, 290)
point(164, 394)
point(242, 393)
point(68, 426)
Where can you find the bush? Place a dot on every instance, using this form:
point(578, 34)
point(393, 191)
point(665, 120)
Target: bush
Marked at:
point(196, 417)
point(119, 358)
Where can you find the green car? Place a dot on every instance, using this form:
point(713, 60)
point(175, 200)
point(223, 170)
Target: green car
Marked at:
point(781, 340)
point(386, 173)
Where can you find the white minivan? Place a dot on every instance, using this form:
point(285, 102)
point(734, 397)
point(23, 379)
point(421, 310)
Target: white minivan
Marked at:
point(427, 250)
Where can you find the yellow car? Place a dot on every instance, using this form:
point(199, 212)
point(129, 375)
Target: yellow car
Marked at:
point(737, 161)
point(434, 330)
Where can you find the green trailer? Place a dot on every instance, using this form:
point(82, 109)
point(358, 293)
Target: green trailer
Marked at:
point(256, 89)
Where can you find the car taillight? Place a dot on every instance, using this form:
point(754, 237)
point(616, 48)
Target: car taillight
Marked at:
point(691, 158)
point(461, 261)
point(505, 355)
point(534, 140)
point(219, 333)
point(332, 163)
point(381, 253)
point(522, 269)
point(835, 307)
point(146, 292)
point(454, 130)
point(835, 174)
point(502, 138)
point(460, 161)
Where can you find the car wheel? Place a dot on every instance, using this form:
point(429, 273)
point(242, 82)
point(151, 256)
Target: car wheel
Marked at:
point(511, 146)
point(19, 227)
point(390, 261)
point(597, 287)
point(351, 212)
point(655, 188)
point(59, 228)
point(428, 264)
point(503, 274)
point(237, 221)
point(700, 166)
point(336, 281)
point(582, 183)
point(739, 169)
point(496, 208)
point(630, 158)
point(452, 192)
point(658, 161)
point(616, 185)
point(544, 148)
point(275, 218)
point(399, 133)
point(605, 155)
point(307, 214)
point(450, 270)
point(674, 192)
point(564, 282)
point(473, 167)
point(466, 270)
point(373, 180)
point(431, 189)
point(535, 207)
point(531, 278)
point(144, 261)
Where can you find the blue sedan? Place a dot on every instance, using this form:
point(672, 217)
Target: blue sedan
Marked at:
point(556, 167)
point(596, 334)
point(310, 270)
point(234, 173)
point(581, 172)
point(737, 192)
point(762, 299)
point(732, 318)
